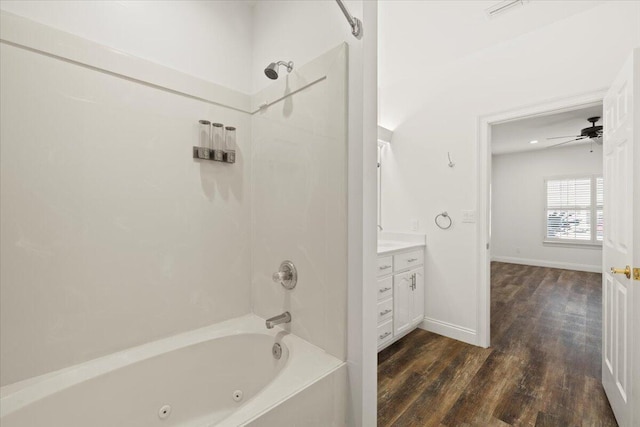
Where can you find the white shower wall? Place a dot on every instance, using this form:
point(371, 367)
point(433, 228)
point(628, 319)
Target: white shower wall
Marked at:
point(300, 200)
point(300, 31)
point(113, 236)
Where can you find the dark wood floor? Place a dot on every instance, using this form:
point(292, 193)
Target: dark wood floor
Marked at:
point(542, 369)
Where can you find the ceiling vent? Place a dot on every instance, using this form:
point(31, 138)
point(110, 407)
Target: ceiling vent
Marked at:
point(504, 6)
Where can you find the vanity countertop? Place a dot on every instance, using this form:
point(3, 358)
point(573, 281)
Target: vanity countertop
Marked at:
point(393, 242)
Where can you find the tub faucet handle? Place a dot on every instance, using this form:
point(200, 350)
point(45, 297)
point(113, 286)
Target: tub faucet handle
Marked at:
point(287, 276)
point(281, 276)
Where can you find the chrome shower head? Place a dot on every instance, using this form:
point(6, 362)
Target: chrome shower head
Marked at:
point(272, 69)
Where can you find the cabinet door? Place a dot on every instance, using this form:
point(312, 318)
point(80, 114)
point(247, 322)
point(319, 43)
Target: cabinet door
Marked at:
point(402, 302)
point(417, 313)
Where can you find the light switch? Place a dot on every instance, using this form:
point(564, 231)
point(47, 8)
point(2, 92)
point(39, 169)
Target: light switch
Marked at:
point(469, 216)
point(415, 225)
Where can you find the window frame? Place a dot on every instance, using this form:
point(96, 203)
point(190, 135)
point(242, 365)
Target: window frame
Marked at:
point(593, 212)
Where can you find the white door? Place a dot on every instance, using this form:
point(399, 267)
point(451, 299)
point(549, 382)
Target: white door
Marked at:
point(402, 302)
point(620, 362)
point(417, 313)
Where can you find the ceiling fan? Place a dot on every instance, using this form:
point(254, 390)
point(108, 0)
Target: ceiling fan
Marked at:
point(592, 132)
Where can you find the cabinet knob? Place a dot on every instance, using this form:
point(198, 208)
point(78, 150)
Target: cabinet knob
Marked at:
point(384, 290)
point(387, 311)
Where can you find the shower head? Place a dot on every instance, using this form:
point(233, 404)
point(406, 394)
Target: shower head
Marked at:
point(272, 69)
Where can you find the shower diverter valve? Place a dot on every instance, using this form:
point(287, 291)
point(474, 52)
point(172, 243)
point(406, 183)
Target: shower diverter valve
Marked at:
point(287, 276)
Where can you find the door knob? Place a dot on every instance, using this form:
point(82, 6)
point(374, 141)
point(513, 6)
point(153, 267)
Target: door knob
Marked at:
point(626, 271)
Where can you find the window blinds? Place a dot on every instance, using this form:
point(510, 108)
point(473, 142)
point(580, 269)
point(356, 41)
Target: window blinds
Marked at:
point(574, 206)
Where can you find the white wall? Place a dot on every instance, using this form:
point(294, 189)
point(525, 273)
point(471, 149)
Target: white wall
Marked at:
point(296, 30)
point(112, 235)
point(207, 39)
point(535, 67)
point(517, 206)
point(299, 31)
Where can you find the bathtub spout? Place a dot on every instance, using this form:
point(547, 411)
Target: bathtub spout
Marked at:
point(277, 320)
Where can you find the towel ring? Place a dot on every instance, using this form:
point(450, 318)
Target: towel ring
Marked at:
point(446, 216)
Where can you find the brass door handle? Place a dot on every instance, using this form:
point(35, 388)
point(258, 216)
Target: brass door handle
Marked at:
point(626, 271)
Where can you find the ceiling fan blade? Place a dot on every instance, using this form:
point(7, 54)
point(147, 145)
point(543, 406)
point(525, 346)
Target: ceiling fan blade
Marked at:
point(568, 136)
point(566, 142)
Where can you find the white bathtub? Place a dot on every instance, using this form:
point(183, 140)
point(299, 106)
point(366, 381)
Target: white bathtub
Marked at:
point(195, 373)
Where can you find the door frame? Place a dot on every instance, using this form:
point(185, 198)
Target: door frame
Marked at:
point(483, 228)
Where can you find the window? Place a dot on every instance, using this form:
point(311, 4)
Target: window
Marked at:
point(574, 210)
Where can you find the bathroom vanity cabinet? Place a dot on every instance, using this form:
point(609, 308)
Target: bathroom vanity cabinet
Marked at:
point(408, 301)
point(400, 278)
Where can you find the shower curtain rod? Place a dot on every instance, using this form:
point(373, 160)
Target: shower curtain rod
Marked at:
point(356, 24)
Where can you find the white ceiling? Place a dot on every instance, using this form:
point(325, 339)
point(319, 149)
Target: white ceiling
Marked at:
point(416, 37)
point(514, 136)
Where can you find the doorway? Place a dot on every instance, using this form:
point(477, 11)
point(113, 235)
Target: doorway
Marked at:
point(485, 125)
point(547, 190)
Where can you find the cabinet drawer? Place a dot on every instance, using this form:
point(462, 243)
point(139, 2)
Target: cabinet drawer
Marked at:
point(385, 265)
point(385, 332)
point(385, 310)
point(385, 288)
point(408, 260)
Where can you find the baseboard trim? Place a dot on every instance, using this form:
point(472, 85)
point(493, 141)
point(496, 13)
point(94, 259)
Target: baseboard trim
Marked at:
point(551, 264)
point(450, 330)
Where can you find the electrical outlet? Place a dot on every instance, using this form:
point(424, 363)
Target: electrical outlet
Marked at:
point(415, 225)
point(469, 216)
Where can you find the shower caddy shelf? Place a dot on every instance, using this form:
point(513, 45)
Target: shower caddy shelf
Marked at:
point(203, 153)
